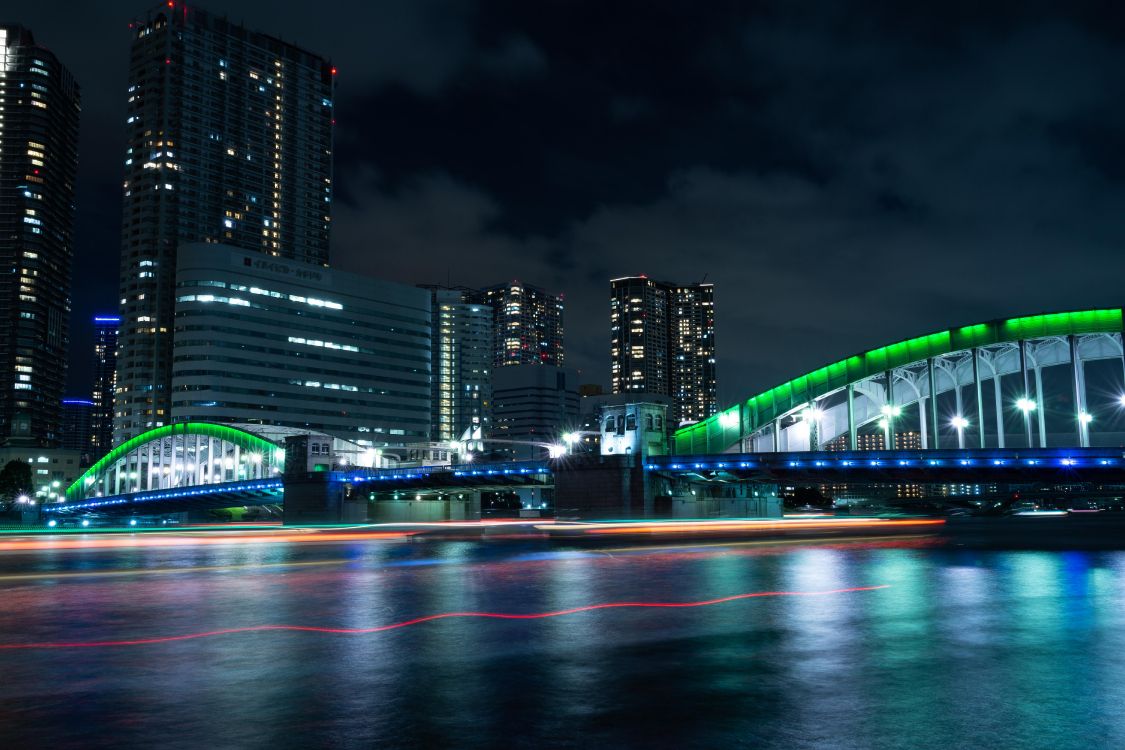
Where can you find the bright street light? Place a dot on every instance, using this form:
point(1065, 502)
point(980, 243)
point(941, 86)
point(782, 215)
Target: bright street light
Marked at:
point(811, 414)
point(891, 411)
point(570, 438)
point(556, 451)
point(959, 422)
point(728, 419)
point(1085, 417)
point(1025, 405)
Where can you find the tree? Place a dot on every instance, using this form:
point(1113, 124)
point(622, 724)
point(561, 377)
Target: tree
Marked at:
point(15, 480)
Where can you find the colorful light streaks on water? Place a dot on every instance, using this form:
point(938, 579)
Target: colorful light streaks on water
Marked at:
point(430, 618)
point(122, 539)
point(741, 526)
point(126, 541)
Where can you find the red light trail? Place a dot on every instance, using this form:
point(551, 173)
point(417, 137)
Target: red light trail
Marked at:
point(430, 618)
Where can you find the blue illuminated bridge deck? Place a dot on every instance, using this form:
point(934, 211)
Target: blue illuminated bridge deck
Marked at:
point(195, 497)
point(268, 491)
point(1021, 465)
point(1006, 466)
point(480, 476)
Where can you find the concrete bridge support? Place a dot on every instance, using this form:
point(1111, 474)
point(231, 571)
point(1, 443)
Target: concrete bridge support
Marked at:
point(592, 487)
point(319, 498)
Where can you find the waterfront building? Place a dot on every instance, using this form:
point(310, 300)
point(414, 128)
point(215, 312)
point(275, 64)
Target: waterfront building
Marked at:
point(461, 364)
point(39, 108)
point(533, 407)
point(528, 324)
point(261, 340)
point(663, 342)
point(228, 140)
point(594, 405)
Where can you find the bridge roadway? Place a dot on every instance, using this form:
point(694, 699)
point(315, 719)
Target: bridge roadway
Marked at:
point(260, 491)
point(968, 466)
point(957, 466)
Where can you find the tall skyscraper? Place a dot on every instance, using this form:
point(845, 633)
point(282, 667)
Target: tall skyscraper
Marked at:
point(663, 341)
point(692, 341)
point(528, 324)
point(461, 362)
point(229, 140)
point(106, 328)
point(39, 105)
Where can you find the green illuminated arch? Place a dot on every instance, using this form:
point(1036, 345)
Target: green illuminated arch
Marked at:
point(724, 430)
point(245, 440)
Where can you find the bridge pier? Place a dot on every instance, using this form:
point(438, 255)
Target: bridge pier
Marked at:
point(321, 497)
point(590, 486)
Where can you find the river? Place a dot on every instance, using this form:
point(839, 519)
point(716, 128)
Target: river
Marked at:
point(899, 643)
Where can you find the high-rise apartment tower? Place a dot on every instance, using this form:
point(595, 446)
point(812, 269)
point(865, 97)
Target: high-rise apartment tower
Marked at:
point(663, 341)
point(39, 105)
point(229, 140)
point(528, 324)
point(461, 363)
point(106, 329)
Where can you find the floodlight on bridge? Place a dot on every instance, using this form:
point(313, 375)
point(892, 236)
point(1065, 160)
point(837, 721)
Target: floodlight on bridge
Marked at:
point(556, 451)
point(891, 411)
point(811, 414)
point(959, 423)
point(1085, 417)
point(1025, 405)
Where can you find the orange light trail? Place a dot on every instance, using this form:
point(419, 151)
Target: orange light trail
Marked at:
point(118, 541)
point(430, 618)
point(788, 524)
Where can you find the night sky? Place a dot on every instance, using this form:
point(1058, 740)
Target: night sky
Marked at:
point(848, 174)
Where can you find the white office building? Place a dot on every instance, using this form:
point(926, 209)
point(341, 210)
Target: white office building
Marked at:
point(272, 341)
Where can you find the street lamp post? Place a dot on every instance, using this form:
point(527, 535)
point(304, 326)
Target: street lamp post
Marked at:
point(890, 412)
point(1026, 405)
point(811, 417)
point(960, 423)
point(1084, 420)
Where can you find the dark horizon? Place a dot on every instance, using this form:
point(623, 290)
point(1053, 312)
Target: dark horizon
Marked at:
point(845, 178)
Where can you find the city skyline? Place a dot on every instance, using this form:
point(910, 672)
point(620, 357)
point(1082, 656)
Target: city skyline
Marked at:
point(808, 203)
point(318, 426)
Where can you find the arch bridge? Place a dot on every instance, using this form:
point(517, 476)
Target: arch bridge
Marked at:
point(1054, 380)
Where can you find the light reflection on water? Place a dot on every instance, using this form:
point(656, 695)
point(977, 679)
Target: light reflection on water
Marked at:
point(964, 649)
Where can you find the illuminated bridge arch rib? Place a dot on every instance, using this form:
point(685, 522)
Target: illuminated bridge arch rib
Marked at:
point(973, 368)
point(186, 454)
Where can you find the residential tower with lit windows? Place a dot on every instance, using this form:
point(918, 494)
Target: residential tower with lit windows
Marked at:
point(39, 109)
point(106, 330)
point(528, 324)
point(662, 341)
point(229, 140)
point(461, 363)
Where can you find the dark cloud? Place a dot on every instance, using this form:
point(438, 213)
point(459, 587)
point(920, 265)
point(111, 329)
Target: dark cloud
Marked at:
point(847, 174)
